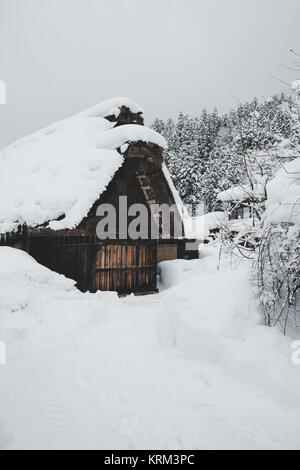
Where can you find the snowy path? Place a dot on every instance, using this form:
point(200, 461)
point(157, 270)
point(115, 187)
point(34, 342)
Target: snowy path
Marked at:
point(94, 372)
point(133, 395)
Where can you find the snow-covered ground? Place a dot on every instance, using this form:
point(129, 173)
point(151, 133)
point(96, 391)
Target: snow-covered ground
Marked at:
point(192, 367)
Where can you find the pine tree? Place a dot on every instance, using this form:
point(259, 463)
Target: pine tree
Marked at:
point(207, 154)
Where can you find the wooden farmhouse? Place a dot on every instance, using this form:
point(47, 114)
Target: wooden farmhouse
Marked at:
point(52, 184)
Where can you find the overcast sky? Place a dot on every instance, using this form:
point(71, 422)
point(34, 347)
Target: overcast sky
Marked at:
point(58, 57)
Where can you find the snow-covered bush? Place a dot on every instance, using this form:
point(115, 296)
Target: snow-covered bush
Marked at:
point(279, 254)
point(278, 262)
point(278, 269)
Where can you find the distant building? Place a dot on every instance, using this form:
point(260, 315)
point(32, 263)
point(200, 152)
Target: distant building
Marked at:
point(240, 202)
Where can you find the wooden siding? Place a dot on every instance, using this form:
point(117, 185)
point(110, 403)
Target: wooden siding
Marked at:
point(132, 267)
point(119, 266)
point(167, 252)
point(126, 268)
point(122, 266)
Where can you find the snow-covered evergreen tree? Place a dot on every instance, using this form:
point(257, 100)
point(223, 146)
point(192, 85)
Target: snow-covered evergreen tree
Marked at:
point(210, 153)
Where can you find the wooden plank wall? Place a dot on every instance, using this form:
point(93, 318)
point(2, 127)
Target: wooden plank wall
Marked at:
point(121, 266)
point(167, 252)
point(126, 267)
point(108, 266)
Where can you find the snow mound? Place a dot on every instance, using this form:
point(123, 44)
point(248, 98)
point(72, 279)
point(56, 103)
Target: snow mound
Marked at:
point(174, 273)
point(17, 264)
point(23, 280)
point(60, 171)
point(200, 227)
point(284, 195)
point(24, 283)
point(211, 318)
point(206, 325)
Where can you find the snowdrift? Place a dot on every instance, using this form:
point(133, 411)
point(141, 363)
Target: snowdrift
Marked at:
point(23, 282)
point(192, 367)
point(210, 317)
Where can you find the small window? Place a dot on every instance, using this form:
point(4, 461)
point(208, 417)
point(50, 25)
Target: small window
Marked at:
point(237, 213)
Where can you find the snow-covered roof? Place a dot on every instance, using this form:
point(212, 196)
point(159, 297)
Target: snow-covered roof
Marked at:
point(60, 171)
point(241, 193)
point(178, 201)
point(284, 195)
point(279, 152)
point(118, 136)
point(112, 107)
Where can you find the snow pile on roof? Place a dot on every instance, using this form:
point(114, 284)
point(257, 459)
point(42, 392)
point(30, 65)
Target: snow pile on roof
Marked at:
point(284, 195)
point(182, 210)
point(121, 135)
point(242, 193)
point(60, 171)
point(112, 107)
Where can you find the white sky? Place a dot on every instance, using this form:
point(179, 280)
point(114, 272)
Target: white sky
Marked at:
point(58, 57)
